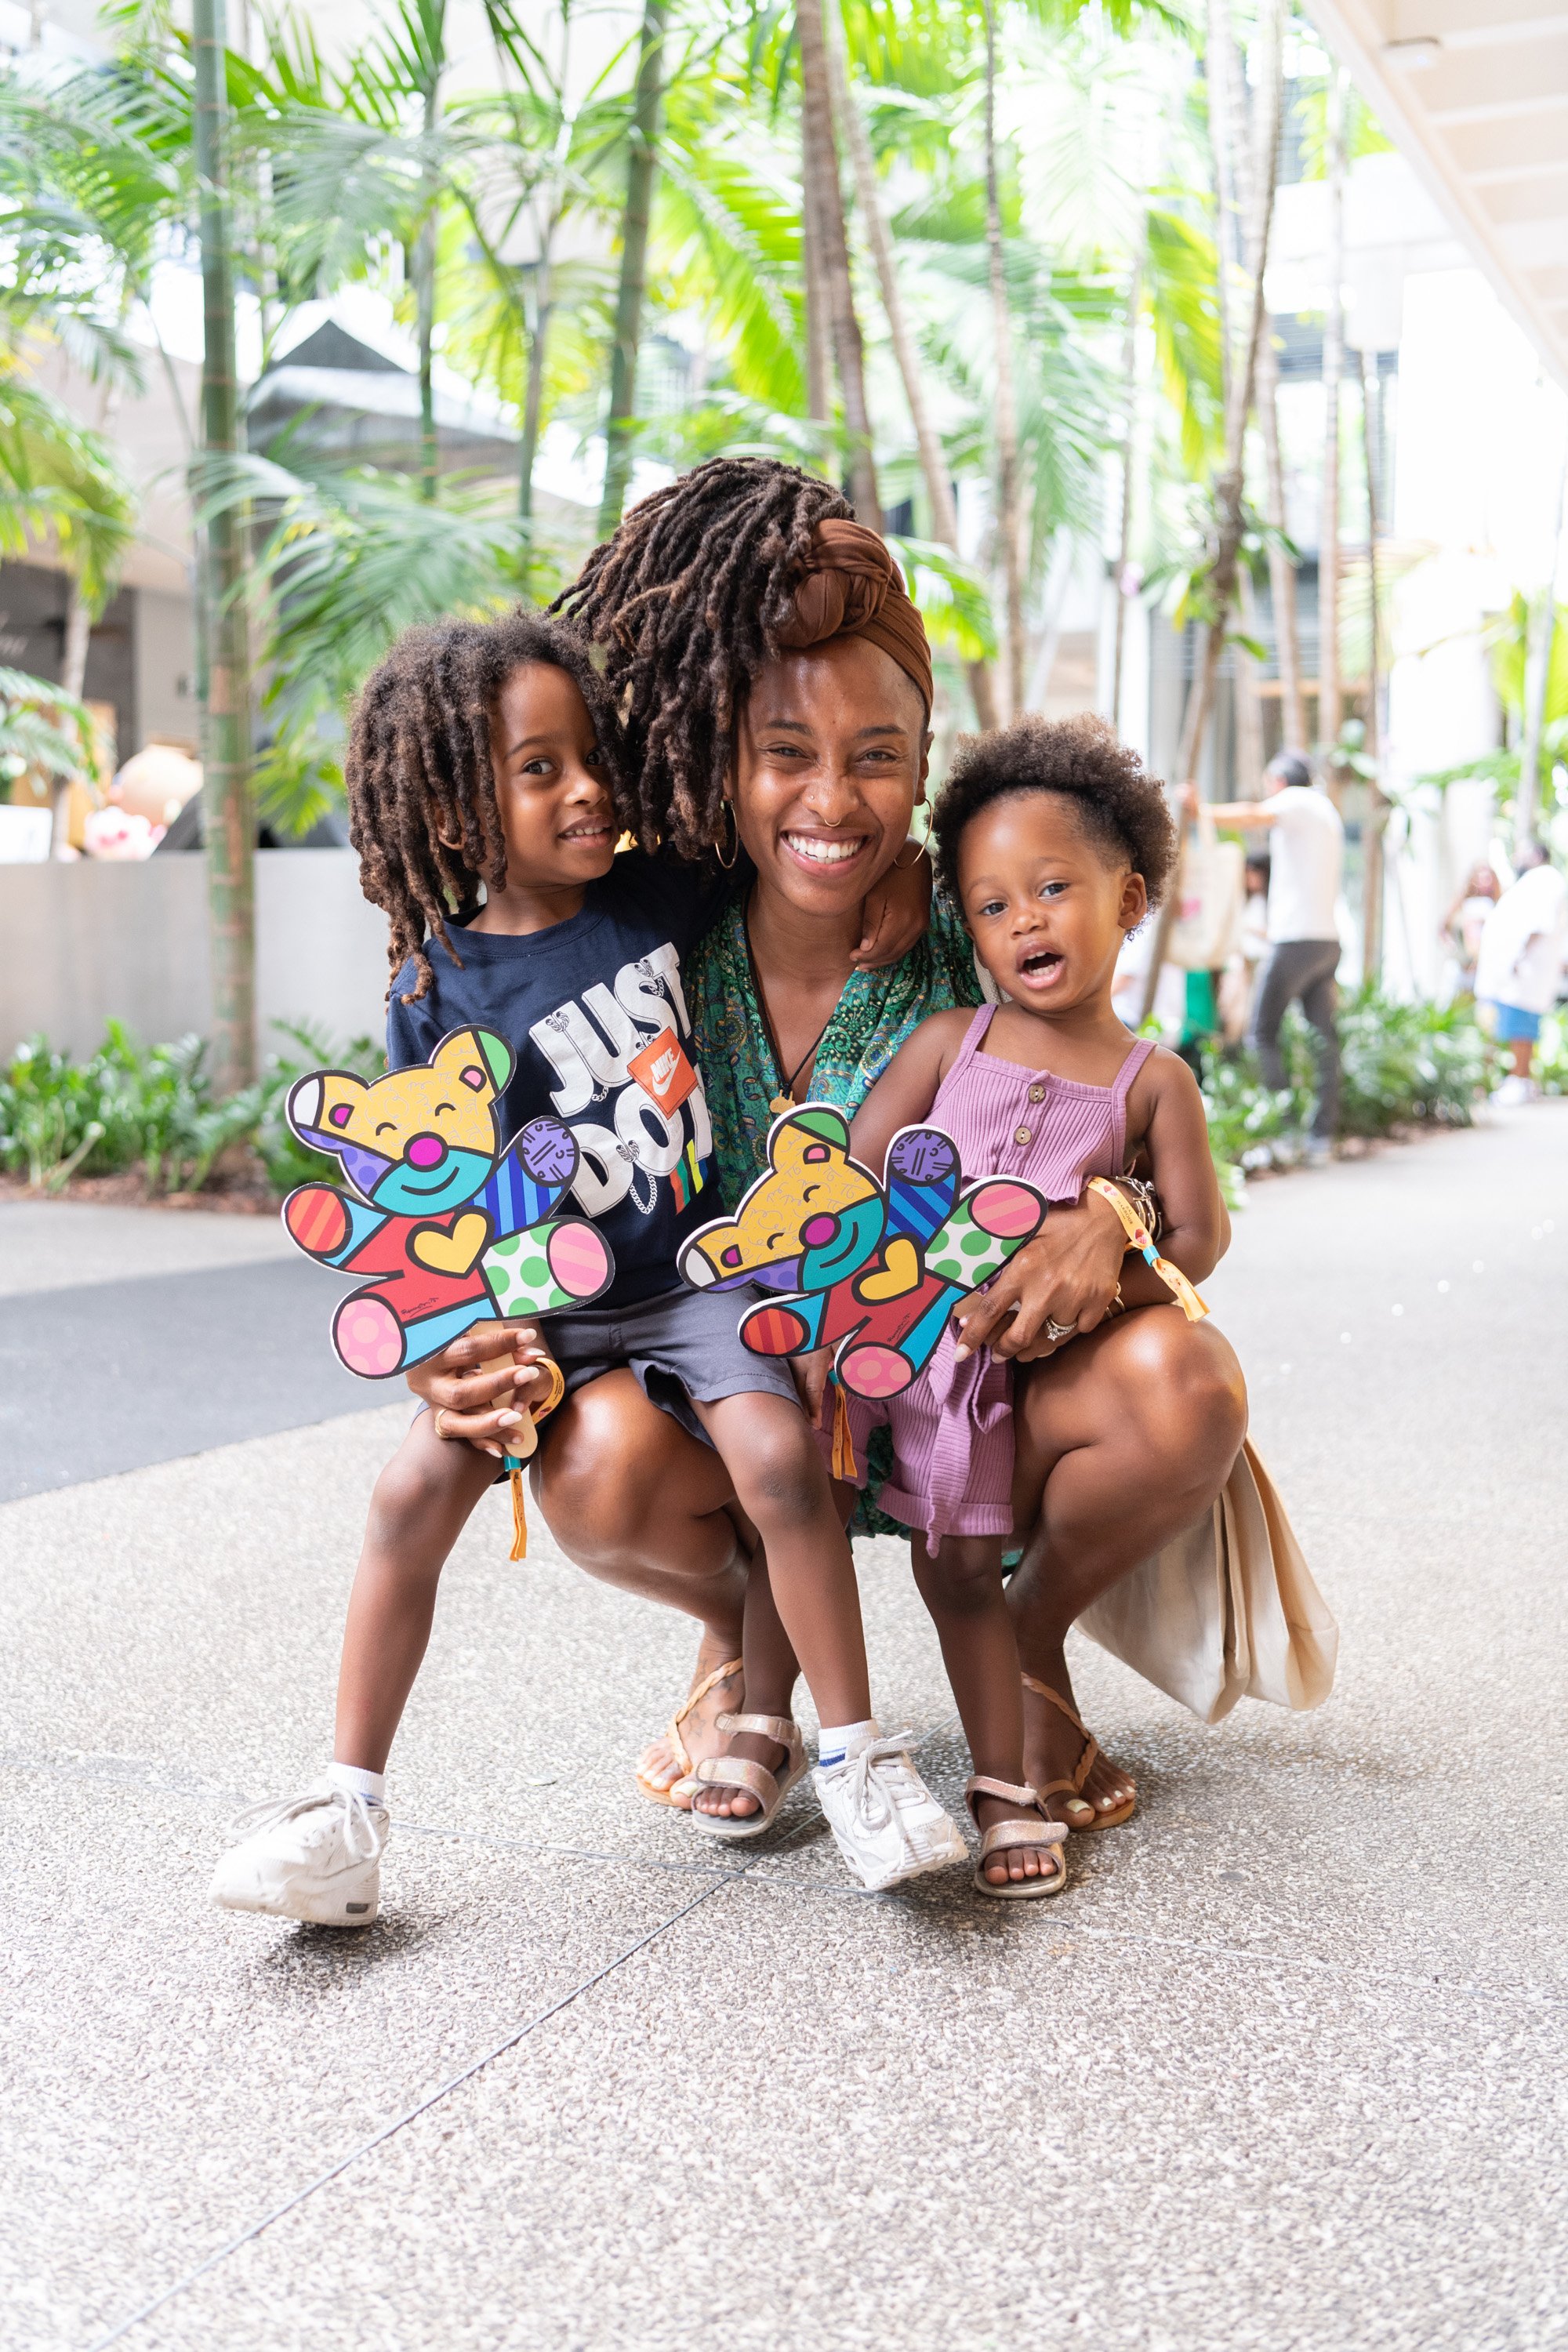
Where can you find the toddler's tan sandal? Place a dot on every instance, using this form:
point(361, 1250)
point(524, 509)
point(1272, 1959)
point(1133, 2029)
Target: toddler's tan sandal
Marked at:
point(1074, 1787)
point(1002, 1835)
point(685, 1785)
point(739, 1772)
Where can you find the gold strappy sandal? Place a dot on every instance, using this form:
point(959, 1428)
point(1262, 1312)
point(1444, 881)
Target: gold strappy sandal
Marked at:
point(1074, 1787)
point(686, 1783)
point(1002, 1835)
point(770, 1789)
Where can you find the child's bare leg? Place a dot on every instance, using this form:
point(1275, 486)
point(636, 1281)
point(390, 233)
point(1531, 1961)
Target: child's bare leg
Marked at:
point(772, 1670)
point(802, 1601)
point(423, 1500)
point(959, 1579)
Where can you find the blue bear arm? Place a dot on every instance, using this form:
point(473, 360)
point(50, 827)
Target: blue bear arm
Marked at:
point(528, 1179)
point(922, 1182)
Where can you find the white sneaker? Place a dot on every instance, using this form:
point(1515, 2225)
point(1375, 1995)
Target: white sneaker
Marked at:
point(1515, 1089)
point(312, 1857)
point(889, 1825)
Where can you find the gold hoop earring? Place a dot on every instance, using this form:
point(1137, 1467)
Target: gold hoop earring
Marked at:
point(899, 865)
point(728, 863)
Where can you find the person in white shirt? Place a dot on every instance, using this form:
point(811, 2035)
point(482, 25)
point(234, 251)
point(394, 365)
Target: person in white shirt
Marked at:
point(1307, 856)
point(1519, 964)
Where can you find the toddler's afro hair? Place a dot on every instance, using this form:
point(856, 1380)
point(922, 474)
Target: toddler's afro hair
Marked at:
point(1119, 805)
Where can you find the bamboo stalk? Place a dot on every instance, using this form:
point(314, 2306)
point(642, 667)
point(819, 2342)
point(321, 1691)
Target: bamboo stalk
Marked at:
point(641, 167)
point(1330, 696)
point(822, 171)
point(228, 823)
point(1124, 536)
point(1527, 801)
point(818, 356)
point(1377, 815)
point(1007, 406)
point(1229, 516)
point(933, 464)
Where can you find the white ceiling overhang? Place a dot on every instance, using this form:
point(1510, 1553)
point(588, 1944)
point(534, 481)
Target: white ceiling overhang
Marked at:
point(1475, 92)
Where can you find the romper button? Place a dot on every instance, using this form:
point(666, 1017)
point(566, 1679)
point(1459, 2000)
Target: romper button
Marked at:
point(1023, 1136)
point(1037, 1093)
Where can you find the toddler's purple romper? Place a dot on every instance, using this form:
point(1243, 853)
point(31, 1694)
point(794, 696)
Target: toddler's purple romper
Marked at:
point(953, 1428)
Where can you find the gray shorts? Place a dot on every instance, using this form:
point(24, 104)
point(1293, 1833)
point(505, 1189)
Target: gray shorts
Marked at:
point(681, 1344)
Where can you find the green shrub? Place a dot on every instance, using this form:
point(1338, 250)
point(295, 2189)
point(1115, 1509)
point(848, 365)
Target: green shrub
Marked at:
point(152, 1108)
point(1552, 1055)
point(1404, 1063)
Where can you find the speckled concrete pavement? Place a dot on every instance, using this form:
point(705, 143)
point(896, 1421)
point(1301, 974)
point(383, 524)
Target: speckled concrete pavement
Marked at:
point(1282, 2070)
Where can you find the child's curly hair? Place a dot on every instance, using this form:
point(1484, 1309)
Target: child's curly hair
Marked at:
point(419, 776)
point(1118, 802)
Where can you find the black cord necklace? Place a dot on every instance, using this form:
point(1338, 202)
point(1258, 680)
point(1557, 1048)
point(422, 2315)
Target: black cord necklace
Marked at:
point(784, 1099)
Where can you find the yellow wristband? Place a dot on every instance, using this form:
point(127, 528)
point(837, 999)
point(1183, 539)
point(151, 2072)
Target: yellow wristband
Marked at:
point(1139, 1238)
point(557, 1390)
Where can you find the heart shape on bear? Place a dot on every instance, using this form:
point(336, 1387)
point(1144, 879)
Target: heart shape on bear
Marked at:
point(454, 1252)
point(898, 1272)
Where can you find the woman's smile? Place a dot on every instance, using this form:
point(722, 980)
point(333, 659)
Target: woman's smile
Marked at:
point(825, 848)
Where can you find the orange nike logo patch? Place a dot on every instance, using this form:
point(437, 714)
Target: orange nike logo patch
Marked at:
point(663, 1072)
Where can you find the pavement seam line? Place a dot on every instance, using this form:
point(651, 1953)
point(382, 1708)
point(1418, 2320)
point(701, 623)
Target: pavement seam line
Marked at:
point(410, 2115)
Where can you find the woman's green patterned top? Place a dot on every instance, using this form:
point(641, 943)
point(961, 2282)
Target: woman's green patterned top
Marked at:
point(875, 1014)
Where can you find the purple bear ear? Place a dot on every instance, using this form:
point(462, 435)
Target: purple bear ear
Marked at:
point(340, 1114)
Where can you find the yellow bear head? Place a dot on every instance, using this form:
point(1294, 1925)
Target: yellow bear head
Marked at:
point(416, 1141)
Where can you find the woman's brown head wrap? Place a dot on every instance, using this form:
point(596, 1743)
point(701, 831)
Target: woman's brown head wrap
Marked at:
point(853, 588)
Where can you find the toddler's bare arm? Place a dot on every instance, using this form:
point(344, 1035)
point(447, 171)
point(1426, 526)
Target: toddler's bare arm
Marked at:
point(906, 1090)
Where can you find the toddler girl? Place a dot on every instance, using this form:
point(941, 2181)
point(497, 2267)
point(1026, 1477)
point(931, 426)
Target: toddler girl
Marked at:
point(1054, 844)
point(482, 753)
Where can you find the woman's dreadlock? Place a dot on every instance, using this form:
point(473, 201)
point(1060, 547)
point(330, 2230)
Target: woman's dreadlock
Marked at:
point(680, 606)
point(420, 778)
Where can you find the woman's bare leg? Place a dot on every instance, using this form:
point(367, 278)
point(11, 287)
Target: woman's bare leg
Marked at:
point(1124, 1438)
point(641, 1504)
point(423, 1501)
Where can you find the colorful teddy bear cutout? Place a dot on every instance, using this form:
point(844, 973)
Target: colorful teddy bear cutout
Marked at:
point(872, 1270)
point(452, 1230)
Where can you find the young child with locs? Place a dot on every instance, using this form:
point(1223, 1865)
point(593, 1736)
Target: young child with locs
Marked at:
point(1055, 844)
point(482, 754)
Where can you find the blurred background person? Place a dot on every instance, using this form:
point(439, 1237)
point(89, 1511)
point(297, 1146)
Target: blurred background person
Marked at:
point(1460, 931)
point(1519, 964)
point(1306, 866)
point(1239, 985)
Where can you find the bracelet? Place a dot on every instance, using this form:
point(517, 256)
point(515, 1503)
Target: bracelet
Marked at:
point(557, 1390)
point(1138, 1235)
point(1148, 1200)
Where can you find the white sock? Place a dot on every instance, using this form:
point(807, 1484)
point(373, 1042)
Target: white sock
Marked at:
point(355, 1782)
point(839, 1743)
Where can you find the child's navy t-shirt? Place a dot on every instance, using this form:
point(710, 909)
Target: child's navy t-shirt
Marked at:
point(595, 1012)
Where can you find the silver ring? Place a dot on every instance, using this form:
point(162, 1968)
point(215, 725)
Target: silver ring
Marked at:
point(1057, 1332)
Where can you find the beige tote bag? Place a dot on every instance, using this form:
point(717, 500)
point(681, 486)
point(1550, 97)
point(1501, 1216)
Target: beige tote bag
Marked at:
point(1228, 1610)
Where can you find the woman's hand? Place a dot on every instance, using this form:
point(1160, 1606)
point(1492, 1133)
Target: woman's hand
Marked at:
point(896, 914)
point(1068, 1275)
point(479, 1406)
